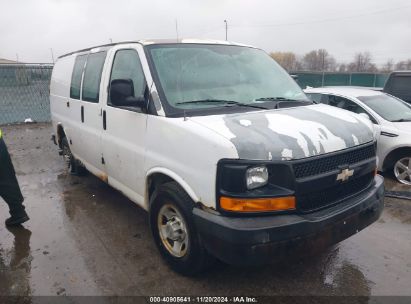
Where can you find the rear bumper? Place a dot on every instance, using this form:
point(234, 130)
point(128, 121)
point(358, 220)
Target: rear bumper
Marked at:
point(261, 239)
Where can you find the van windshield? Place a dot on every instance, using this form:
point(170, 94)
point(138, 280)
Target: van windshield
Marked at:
point(200, 76)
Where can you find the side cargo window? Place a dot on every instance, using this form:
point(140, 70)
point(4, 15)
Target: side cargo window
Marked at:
point(92, 77)
point(127, 65)
point(76, 76)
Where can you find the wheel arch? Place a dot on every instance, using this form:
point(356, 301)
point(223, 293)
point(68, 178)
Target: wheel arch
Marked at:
point(60, 133)
point(158, 176)
point(394, 155)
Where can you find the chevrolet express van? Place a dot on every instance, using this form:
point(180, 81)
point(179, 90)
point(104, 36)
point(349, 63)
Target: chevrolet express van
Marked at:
point(220, 146)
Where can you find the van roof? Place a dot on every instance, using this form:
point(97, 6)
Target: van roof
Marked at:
point(161, 41)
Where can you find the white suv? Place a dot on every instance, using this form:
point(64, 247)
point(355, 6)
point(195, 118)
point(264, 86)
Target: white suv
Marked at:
point(391, 118)
point(219, 144)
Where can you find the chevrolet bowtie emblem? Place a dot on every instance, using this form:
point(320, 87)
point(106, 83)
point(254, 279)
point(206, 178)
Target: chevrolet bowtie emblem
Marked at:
point(345, 175)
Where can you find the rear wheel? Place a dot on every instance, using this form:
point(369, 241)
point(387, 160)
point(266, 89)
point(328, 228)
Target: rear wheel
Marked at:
point(72, 164)
point(402, 170)
point(174, 231)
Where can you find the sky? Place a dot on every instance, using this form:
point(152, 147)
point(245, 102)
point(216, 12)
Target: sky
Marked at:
point(29, 29)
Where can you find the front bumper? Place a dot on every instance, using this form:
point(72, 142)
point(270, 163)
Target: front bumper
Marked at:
point(261, 239)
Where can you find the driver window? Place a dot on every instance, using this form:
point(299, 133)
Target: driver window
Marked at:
point(127, 65)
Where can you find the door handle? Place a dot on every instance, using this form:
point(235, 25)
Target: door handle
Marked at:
point(82, 113)
point(104, 120)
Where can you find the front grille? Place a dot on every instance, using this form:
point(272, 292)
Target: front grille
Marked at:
point(320, 199)
point(324, 164)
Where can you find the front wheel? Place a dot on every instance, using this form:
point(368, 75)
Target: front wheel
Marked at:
point(402, 170)
point(174, 230)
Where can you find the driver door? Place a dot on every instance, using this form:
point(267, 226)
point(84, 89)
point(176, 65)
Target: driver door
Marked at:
point(124, 128)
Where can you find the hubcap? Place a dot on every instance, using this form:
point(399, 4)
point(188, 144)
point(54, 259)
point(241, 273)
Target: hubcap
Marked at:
point(402, 170)
point(172, 230)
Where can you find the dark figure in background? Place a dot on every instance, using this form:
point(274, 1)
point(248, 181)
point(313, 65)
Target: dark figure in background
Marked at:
point(9, 188)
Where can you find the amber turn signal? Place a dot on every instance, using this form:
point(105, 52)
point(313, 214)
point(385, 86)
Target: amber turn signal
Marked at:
point(258, 204)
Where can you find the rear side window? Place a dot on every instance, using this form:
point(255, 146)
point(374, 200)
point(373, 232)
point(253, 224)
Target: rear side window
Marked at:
point(401, 84)
point(92, 76)
point(76, 76)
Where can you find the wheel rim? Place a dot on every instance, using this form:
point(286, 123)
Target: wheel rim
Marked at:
point(172, 230)
point(402, 170)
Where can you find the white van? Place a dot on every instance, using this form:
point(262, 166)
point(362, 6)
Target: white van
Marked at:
point(219, 145)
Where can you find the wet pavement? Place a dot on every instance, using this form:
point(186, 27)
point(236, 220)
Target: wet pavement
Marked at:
point(84, 238)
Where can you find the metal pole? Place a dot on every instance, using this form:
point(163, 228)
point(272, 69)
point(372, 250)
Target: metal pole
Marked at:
point(226, 29)
point(52, 55)
point(177, 30)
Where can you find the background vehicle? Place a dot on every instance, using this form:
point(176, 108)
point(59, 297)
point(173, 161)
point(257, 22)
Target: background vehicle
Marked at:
point(219, 144)
point(399, 84)
point(390, 116)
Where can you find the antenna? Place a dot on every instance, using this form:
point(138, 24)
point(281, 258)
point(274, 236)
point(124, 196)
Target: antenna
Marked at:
point(226, 29)
point(177, 30)
point(52, 55)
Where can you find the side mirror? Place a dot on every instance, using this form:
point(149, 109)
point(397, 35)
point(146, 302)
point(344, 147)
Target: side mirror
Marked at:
point(122, 94)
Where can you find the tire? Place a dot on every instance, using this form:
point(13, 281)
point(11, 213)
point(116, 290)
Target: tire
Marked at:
point(171, 211)
point(72, 164)
point(402, 170)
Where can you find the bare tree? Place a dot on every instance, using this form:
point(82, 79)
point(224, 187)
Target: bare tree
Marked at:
point(342, 68)
point(362, 63)
point(388, 66)
point(403, 65)
point(319, 60)
point(288, 60)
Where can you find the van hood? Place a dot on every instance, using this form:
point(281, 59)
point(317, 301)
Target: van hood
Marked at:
point(291, 133)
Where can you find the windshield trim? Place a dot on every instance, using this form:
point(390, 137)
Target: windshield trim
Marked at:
point(171, 111)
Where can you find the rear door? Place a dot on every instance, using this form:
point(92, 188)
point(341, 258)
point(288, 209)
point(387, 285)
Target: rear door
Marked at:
point(90, 113)
point(73, 128)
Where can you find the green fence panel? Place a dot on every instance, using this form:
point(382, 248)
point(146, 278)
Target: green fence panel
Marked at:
point(319, 79)
point(336, 79)
point(363, 80)
point(309, 79)
point(381, 80)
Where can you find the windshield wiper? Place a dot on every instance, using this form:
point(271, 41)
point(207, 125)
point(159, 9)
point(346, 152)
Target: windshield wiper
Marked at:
point(223, 101)
point(279, 100)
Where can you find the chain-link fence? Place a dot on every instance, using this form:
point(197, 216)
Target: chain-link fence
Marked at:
point(320, 79)
point(24, 88)
point(24, 92)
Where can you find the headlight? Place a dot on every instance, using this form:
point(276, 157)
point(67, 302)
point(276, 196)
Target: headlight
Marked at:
point(256, 177)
